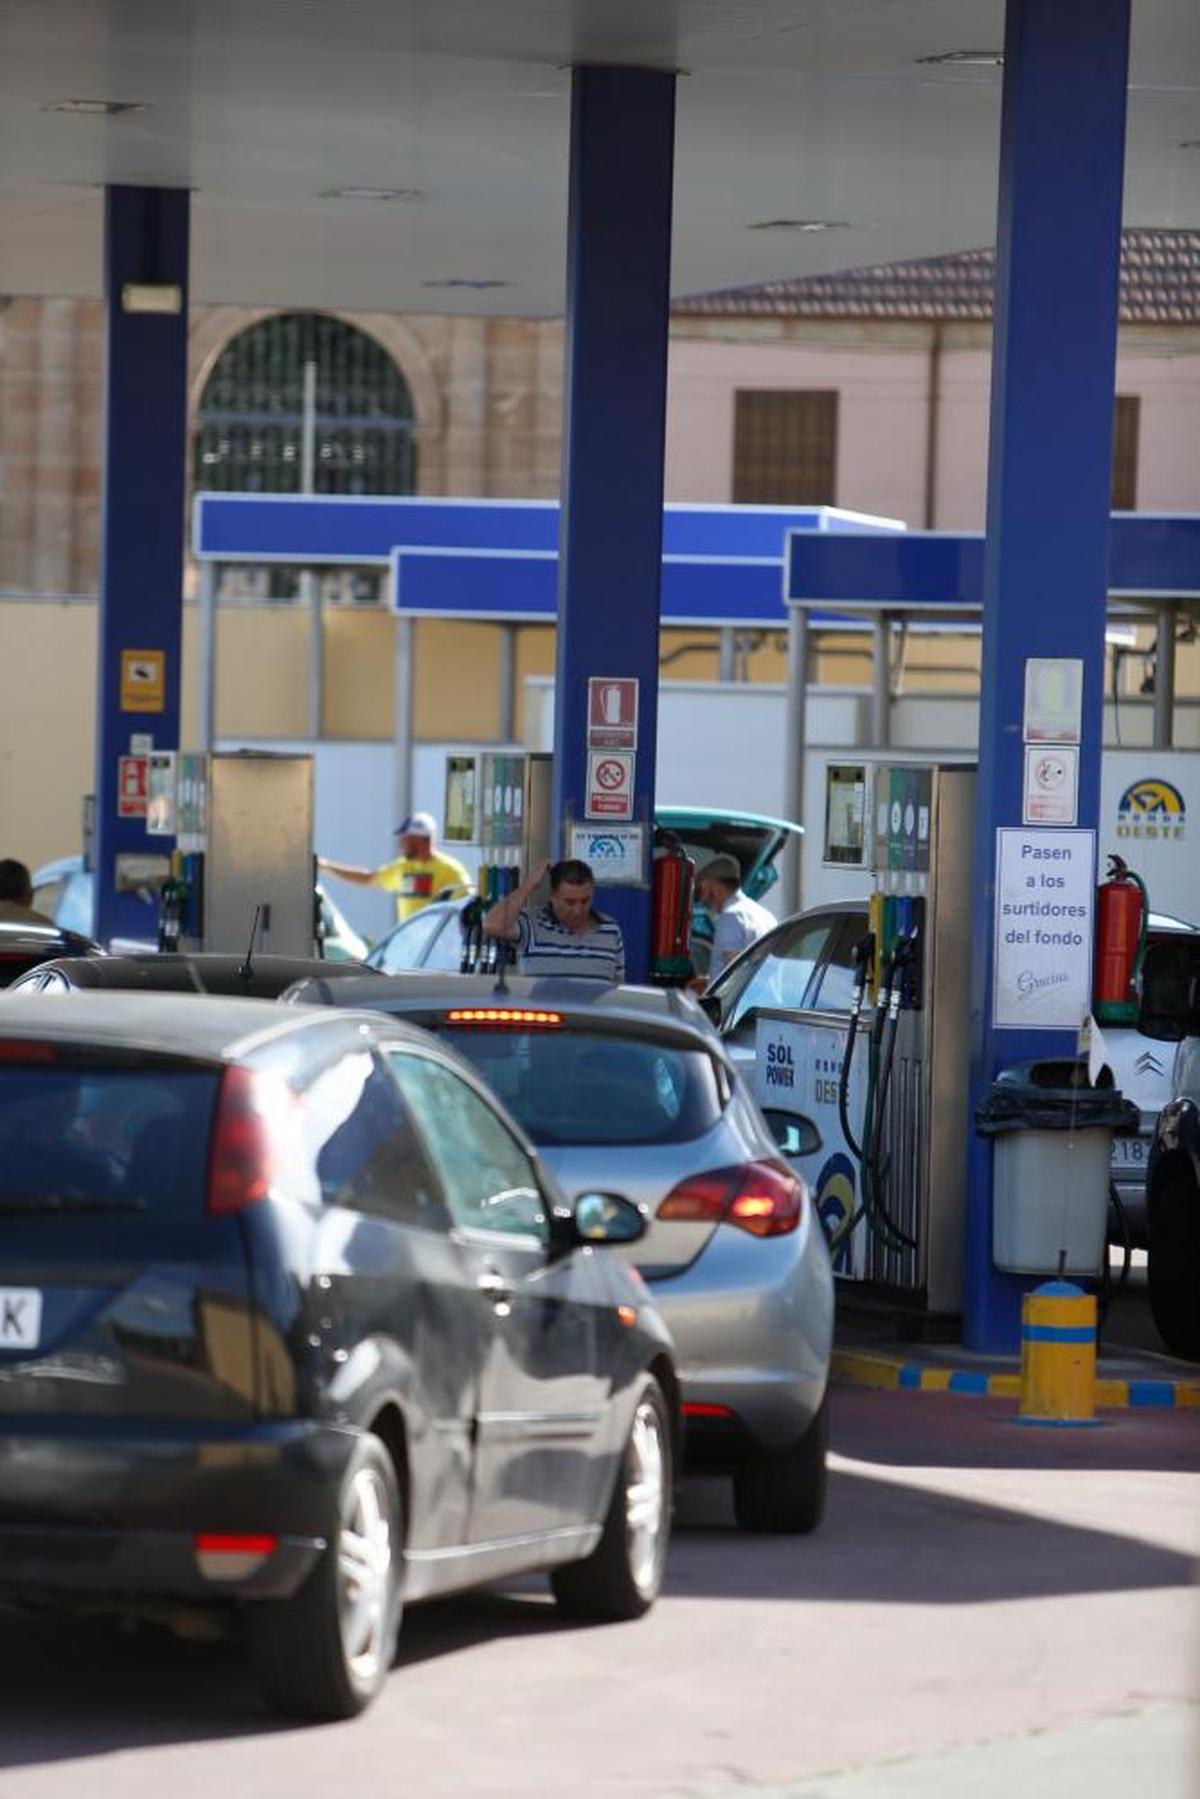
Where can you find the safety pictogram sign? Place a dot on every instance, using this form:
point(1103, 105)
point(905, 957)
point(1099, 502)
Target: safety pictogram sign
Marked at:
point(612, 712)
point(133, 782)
point(143, 680)
point(610, 784)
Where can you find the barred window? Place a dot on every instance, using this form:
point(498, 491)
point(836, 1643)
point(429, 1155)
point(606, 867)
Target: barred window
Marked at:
point(251, 423)
point(785, 447)
point(1127, 417)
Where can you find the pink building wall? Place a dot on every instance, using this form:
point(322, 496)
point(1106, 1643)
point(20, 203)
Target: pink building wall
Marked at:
point(883, 380)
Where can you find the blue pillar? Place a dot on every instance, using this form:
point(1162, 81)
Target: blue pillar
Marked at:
point(610, 546)
point(141, 569)
point(1046, 558)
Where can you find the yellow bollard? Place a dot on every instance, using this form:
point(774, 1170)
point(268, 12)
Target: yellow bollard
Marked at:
point(1058, 1355)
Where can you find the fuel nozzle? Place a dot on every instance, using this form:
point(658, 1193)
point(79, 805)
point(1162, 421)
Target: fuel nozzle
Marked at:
point(864, 962)
point(904, 962)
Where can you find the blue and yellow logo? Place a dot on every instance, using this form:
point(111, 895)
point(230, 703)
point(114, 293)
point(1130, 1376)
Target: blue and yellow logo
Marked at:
point(1152, 810)
point(835, 1187)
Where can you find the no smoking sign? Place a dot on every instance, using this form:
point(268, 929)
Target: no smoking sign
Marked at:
point(610, 784)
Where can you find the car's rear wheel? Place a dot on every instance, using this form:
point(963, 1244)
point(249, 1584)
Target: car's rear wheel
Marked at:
point(1173, 1265)
point(785, 1492)
point(325, 1653)
point(622, 1576)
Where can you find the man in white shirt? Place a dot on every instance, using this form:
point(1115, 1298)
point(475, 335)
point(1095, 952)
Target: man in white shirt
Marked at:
point(737, 919)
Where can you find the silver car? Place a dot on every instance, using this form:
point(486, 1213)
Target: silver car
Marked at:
point(629, 1088)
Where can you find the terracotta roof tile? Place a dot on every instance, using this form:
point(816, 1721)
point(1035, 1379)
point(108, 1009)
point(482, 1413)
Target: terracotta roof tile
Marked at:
point(1160, 285)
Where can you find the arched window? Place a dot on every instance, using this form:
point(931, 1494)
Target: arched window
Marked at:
point(250, 437)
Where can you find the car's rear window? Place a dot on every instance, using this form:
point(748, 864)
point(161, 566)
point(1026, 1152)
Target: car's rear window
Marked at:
point(121, 1141)
point(567, 1086)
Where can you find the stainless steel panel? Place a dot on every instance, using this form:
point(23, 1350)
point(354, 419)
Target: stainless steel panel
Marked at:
point(260, 853)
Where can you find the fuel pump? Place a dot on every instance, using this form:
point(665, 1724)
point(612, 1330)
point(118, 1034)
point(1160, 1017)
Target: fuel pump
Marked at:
point(243, 826)
point(500, 801)
point(885, 1080)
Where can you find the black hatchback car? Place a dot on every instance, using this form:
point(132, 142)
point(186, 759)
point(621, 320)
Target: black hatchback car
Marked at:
point(294, 1325)
point(263, 976)
point(26, 945)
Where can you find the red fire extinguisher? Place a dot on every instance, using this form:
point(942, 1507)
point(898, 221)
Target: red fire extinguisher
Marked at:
point(671, 933)
point(1122, 905)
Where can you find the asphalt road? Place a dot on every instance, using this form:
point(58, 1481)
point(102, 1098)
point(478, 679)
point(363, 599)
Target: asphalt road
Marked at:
point(987, 1609)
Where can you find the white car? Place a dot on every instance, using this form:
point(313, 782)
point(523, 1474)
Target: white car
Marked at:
point(807, 963)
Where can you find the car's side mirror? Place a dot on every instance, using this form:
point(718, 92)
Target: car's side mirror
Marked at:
point(794, 1134)
point(607, 1218)
point(1169, 997)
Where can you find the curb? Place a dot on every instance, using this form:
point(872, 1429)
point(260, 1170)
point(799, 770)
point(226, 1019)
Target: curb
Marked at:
point(860, 1368)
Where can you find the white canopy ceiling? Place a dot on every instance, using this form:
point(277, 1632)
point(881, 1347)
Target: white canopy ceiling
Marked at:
point(818, 111)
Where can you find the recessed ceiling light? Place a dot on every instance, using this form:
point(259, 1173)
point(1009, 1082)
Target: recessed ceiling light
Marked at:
point(467, 281)
point(967, 59)
point(799, 225)
point(103, 109)
point(372, 193)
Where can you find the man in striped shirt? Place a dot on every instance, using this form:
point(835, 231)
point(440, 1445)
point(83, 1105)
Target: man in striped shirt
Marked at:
point(566, 935)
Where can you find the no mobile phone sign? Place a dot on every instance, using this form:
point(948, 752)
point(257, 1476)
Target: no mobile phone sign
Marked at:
point(610, 784)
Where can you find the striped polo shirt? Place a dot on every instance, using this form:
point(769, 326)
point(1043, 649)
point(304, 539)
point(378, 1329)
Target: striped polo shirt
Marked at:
point(545, 947)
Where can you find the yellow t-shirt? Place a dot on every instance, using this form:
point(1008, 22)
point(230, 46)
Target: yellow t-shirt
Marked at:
point(415, 880)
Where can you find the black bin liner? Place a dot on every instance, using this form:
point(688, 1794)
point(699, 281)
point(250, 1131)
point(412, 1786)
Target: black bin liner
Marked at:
point(1054, 1096)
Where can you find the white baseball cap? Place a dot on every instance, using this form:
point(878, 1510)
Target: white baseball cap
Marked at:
point(417, 824)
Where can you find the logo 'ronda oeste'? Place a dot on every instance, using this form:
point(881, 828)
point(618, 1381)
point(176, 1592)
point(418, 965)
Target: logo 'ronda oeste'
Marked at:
point(1151, 810)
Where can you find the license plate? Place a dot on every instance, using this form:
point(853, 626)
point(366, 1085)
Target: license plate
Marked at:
point(20, 1317)
point(1130, 1154)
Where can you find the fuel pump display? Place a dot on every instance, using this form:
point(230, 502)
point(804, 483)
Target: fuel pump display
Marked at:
point(885, 1081)
point(501, 801)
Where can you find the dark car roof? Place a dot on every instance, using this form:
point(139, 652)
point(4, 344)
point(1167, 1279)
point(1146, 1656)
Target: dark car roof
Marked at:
point(202, 1027)
point(24, 946)
point(201, 972)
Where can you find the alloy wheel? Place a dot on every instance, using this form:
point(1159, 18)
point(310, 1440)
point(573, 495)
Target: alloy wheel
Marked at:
point(365, 1564)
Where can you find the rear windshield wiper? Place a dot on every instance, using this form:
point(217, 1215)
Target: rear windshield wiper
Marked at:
point(66, 1202)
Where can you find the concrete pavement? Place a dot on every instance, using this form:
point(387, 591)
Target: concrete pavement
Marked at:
point(984, 1607)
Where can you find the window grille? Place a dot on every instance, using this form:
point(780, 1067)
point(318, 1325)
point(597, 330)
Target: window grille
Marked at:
point(785, 447)
point(251, 423)
point(1126, 427)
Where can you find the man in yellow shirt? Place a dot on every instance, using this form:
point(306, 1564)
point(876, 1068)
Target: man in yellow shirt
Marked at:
point(419, 873)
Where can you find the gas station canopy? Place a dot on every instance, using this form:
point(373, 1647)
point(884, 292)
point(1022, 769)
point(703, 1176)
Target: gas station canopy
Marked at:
point(1152, 559)
point(395, 154)
point(498, 559)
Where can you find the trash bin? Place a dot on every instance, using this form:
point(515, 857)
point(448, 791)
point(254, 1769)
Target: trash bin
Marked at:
point(1052, 1165)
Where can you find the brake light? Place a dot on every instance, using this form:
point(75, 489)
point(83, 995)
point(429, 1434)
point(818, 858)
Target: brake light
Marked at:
point(500, 1018)
point(255, 1116)
point(763, 1198)
point(16, 1051)
point(225, 1542)
point(232, 1555)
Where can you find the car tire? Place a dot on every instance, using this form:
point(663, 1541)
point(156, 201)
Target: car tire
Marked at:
point(785, 1493)
point(1173, 1265)
point(622, 1576)
point(325, 1653)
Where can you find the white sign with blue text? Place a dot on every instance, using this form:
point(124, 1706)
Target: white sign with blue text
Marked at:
point(616, 854)
point(1045, 893)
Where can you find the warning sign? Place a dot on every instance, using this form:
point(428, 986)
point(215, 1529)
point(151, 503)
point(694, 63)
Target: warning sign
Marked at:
point(612, 712)
point(133, 780)
point(610, 784)
point(1051, 783)
point(143, 680)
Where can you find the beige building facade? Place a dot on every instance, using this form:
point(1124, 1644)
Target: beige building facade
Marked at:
point(808, 393)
